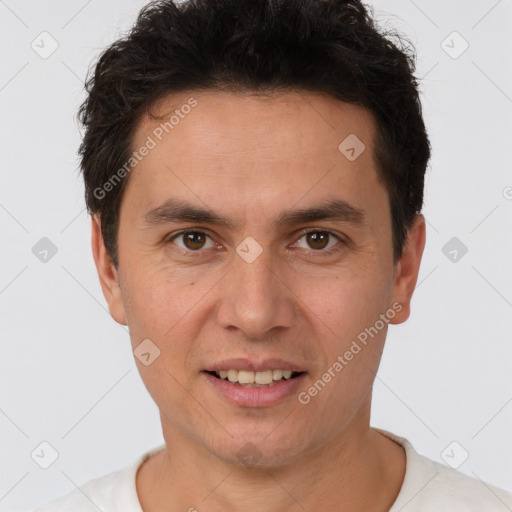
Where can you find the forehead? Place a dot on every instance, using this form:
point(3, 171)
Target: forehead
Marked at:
point(216, 147)
point(215, 123)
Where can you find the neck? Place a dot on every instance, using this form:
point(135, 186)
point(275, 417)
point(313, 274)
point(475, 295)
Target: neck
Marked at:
point(360, 470)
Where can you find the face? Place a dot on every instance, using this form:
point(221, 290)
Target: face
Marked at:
point(247, 233)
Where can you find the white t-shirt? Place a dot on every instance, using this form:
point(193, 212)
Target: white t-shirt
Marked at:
point(428, 486)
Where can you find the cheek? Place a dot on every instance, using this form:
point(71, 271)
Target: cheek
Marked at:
point(150, 303)
point(352, 317)
point(168, 308)
point(350, 297)
point(347, 315)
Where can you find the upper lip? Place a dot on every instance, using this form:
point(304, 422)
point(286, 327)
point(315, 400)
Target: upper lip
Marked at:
point(242, 363)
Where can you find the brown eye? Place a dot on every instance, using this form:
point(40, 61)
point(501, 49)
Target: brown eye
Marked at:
point(323, 242)
point(191, 240)
point(318, 239)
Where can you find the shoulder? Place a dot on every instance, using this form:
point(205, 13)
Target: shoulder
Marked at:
point(113, 492)
point(89, 497)
point(452, 490)
point(430, 486)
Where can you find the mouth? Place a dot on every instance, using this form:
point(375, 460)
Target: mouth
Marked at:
point(255, 383)
point(251, 379)
point(247, 388)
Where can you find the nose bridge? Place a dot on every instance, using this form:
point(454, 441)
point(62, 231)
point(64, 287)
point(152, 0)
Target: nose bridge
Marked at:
point(255, 279)
point(254, 299)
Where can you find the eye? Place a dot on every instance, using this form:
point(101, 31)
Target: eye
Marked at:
point(317, 240)
point(192, 240)
point(323, 241)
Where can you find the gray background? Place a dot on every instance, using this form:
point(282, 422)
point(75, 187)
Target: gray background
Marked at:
point(67, 372)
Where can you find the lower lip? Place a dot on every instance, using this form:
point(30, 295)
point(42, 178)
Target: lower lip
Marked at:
point(256, 397)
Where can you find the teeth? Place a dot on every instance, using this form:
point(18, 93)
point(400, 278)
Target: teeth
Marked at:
point(263, 377)
point(277, 374)
point(255, 379)
point(232, 375)
point(245, 377)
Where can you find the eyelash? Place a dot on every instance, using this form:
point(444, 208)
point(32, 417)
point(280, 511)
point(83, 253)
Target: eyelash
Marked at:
point(327, 252)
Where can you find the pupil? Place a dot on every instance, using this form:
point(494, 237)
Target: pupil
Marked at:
point(191, 240)
point(316, 236)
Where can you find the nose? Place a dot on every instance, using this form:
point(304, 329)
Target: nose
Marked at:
point(255, 299)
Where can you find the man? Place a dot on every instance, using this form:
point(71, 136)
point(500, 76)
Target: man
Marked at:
point(254, 170)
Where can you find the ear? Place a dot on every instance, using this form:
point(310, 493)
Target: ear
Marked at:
point(109, 278)
point(407, 269)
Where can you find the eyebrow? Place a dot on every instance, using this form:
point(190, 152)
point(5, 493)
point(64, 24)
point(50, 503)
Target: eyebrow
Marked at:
point(174, 210)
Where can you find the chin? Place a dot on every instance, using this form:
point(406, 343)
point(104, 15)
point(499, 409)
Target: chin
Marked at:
point(253, 448)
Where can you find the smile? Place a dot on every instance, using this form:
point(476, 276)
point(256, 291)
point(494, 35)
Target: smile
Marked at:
point(255, 394)
point(247, 378)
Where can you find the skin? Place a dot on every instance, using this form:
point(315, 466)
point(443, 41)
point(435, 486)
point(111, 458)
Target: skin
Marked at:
point(248, 159)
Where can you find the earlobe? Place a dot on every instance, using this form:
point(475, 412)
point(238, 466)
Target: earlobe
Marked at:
point(408, 268)
point(107, 273)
